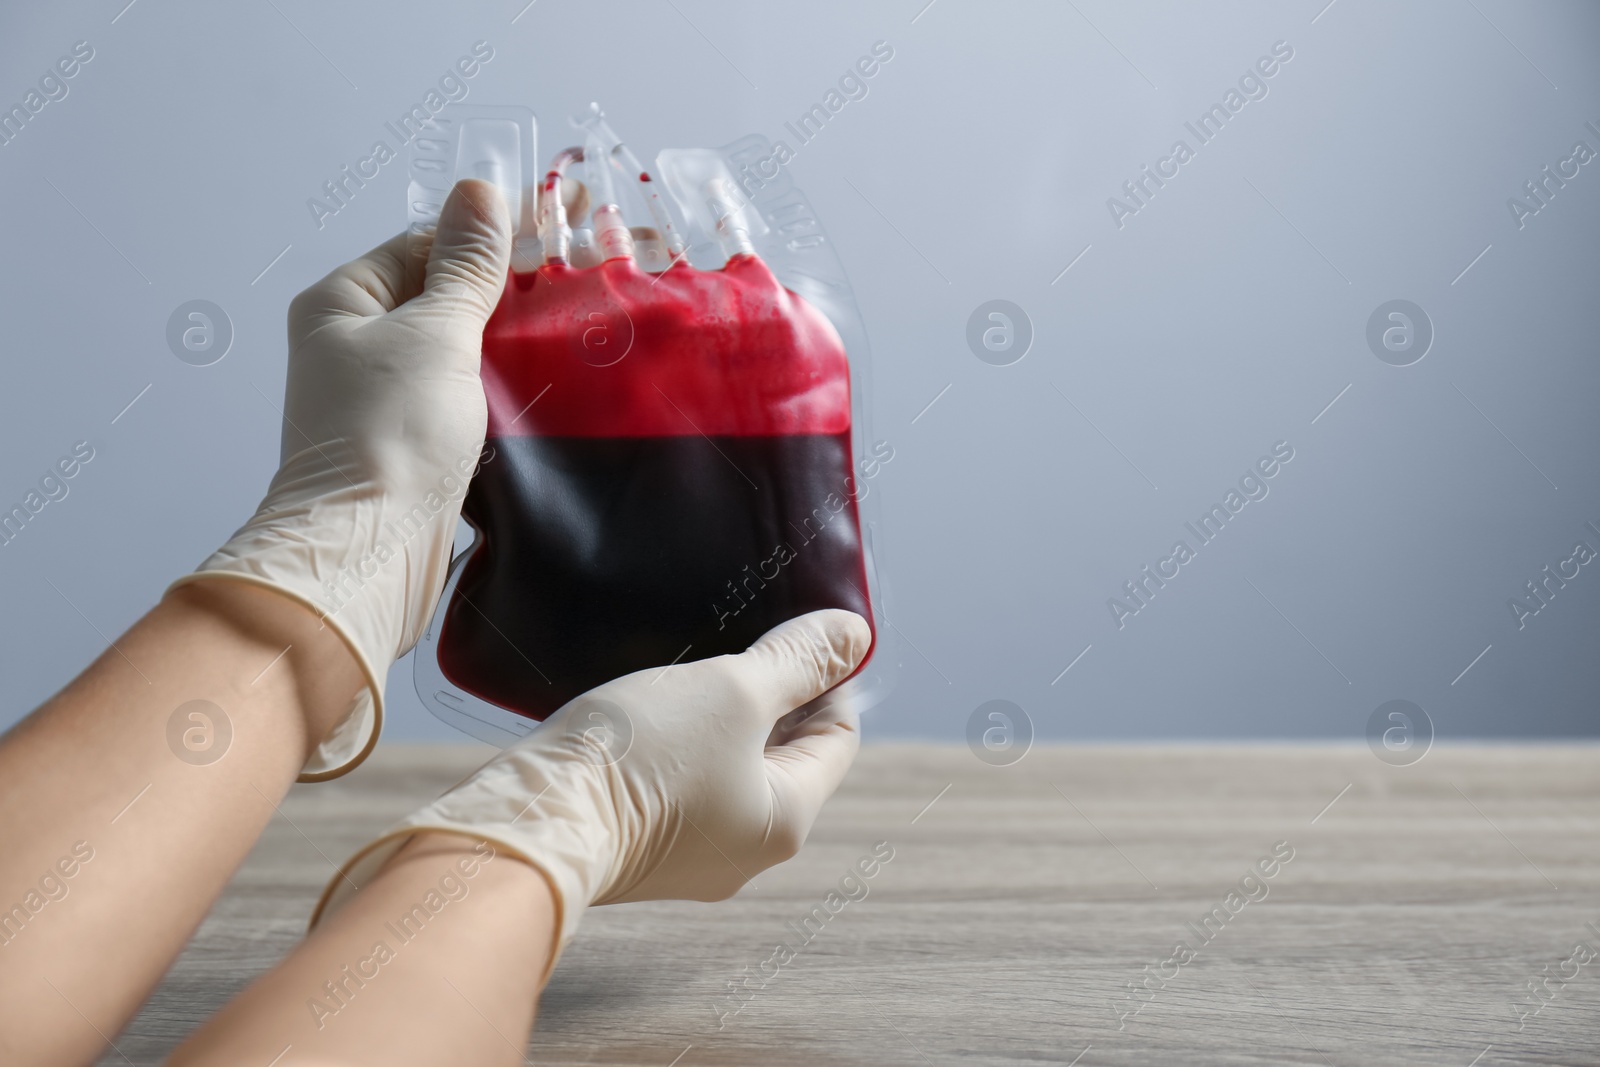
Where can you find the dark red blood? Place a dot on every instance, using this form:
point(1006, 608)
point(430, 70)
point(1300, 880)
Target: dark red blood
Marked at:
point(668, 505)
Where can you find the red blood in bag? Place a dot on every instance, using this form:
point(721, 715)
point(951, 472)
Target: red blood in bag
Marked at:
point(671, 478)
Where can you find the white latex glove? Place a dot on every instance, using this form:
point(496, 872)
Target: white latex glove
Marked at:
point(383, 422)
point(667, 784)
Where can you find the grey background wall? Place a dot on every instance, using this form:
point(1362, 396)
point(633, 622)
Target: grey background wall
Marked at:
point(1169, 352)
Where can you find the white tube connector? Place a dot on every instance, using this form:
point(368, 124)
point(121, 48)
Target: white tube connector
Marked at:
point(554, 233)
point(727, 207)
point(611, 233)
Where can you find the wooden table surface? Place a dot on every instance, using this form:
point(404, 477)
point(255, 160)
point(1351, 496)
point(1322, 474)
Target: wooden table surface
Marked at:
point(1021, 901)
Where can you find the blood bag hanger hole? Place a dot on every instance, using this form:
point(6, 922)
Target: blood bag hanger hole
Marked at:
point(492, 149)
point(493, 143)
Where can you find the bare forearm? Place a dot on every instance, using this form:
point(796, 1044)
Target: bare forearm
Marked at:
point(436, 961)
point(132, 795)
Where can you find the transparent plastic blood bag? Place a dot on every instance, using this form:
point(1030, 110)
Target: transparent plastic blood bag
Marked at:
point(671, 505)
point(669, 465)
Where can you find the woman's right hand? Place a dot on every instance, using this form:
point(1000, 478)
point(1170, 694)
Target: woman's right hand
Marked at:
point(680, 782)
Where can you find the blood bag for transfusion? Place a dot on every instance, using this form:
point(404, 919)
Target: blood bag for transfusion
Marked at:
point(675, 458)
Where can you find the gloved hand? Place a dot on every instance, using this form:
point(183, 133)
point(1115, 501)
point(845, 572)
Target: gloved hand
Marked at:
point(668, 784)
point(383, 421)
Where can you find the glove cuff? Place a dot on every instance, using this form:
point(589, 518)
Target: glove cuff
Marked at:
point(316, 538)
point(332, 539)
point(356, 735)
point(558, 827)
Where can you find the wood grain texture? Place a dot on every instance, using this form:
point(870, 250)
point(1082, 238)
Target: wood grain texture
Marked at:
point(1020, 904)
